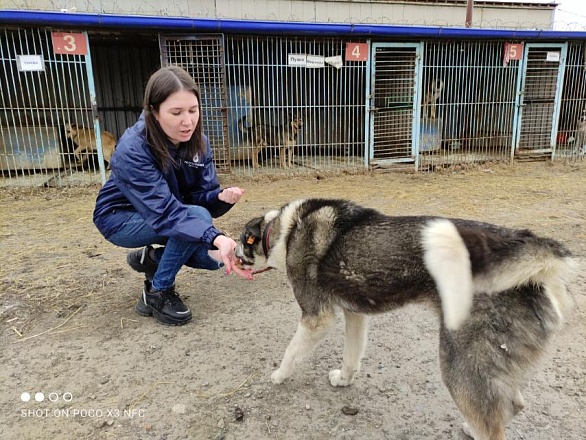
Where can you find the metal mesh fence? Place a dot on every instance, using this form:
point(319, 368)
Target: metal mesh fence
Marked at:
point(45, 104)
point(288, 99)
point(295, 104)
point(473, 93)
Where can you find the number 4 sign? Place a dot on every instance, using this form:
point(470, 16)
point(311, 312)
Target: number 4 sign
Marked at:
point(69, 43)
point(356, 52)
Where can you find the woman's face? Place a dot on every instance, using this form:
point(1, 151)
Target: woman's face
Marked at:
point(178, 116)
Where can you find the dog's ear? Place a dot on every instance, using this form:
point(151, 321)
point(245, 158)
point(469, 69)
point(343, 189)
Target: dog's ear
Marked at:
point(252, 232)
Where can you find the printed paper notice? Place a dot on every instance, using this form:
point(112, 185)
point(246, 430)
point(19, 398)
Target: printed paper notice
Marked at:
point(335, 61)
point(297, 59)
point(315, 61)
point(30, 63)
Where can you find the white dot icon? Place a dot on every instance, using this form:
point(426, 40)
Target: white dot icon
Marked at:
point(25, 397)
point(39, 397)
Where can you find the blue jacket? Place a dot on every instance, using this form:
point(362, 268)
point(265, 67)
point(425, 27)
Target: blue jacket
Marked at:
point(137, 184)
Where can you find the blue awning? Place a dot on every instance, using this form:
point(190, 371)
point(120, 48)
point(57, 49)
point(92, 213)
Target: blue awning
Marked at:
point(88, 21)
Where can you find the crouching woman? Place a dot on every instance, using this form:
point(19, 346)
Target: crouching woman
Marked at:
point(163, 194)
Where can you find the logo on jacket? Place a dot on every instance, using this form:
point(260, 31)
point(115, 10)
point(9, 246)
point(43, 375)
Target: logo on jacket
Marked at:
point(195, 163)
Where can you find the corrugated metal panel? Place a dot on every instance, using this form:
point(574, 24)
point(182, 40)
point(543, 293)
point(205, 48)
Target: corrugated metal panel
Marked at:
point(122, 66)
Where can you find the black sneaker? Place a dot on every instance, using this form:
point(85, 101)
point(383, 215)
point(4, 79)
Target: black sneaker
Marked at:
point(140, 261)
point(164, 305)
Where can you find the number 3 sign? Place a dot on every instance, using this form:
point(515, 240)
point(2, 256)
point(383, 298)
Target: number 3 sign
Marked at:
point(69, 43)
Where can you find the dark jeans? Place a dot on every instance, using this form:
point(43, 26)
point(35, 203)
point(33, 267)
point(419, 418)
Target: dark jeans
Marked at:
point(134, 233)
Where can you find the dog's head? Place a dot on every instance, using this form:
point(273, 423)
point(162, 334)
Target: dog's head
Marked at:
point(253, 248)
point(296, 122)
point(71, 131)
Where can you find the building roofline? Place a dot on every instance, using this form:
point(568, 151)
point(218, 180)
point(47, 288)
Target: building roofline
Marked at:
point(93, 21)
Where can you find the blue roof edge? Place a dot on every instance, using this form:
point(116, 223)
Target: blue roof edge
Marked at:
point(230, 26)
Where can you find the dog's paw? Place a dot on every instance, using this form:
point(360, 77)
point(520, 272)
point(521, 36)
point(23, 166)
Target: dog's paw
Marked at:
point(337, 380)
point(278, 377)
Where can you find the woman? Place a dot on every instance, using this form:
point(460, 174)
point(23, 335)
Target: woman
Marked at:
point(163, 189)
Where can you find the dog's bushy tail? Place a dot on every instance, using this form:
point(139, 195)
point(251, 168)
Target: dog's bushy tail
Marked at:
point(448, 262)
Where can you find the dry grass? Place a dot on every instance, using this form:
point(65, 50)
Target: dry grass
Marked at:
point(57, 261)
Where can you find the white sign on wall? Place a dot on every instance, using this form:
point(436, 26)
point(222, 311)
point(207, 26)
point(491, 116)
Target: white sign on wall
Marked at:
point(30, 63)
point(553, 57)
point(315, 61)
point(297, 59)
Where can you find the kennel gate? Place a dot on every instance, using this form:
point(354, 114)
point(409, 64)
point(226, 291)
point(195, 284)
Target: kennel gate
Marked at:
point(395, 102)
point(203, 57)
point(539, 98)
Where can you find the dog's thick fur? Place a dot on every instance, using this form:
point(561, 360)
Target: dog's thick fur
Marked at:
point(284, 137)
point(85, 138)
point(501, 293)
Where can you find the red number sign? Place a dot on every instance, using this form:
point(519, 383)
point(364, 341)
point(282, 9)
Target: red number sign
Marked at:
point(69, 43)
point(356, 51)
point(513, 51)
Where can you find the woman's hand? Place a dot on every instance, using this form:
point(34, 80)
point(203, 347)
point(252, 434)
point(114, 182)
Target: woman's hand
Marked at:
point(231, 194)
point(226, 248)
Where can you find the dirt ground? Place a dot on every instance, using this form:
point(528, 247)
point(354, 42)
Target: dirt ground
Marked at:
point(69, 330)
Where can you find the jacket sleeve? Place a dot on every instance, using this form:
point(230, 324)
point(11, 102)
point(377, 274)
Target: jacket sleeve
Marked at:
point(207, 194)
point(139, 179)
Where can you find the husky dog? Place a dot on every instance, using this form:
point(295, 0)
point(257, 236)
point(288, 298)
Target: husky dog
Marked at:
point(85, 138)
point(283, 136)
point(500, 293)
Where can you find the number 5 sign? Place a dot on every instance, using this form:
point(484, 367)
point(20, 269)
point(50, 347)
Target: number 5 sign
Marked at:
point(356, 52)
point(513, 51)
point(69, 43)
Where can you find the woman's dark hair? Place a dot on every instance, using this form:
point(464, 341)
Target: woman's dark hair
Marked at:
point(164, 82)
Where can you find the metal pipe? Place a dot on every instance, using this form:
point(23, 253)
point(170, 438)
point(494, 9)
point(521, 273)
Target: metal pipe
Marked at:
point(469, 10)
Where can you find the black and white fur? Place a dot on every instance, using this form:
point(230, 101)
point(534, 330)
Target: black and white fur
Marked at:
point(501, 293)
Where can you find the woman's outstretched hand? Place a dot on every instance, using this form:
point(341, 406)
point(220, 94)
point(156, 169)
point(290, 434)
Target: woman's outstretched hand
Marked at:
point(226, 248)
point(231, 195)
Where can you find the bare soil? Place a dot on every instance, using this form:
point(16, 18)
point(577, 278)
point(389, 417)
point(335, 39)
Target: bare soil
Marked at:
point(69, 329)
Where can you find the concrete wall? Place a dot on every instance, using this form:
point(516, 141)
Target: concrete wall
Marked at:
point(341, 11)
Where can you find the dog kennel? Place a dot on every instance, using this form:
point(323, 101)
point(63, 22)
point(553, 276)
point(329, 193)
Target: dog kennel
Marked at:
point(368, 97)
